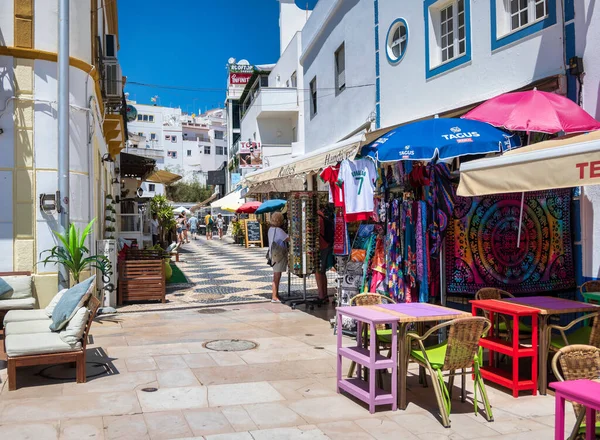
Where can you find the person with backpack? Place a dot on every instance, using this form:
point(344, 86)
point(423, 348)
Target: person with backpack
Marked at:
point(208, 221)
point(326, 238)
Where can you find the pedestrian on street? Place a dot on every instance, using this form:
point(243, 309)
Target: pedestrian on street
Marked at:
point(220, 222)
point(180, 225)
point(193, 224)
point(277, 254)
point(326, 233)
point(208, 221)
point(154, 229)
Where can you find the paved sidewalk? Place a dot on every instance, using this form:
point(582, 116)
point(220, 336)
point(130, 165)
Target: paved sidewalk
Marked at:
point(284, 389)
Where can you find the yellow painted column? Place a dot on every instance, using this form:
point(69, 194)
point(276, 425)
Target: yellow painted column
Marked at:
point(24, 24)
point(24, 174)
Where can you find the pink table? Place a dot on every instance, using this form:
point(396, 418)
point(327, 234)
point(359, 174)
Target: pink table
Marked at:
point(585, 392)
point(402, 314)
point(548, 306)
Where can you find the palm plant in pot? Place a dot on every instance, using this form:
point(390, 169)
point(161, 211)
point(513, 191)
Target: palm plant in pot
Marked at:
point(71, 253)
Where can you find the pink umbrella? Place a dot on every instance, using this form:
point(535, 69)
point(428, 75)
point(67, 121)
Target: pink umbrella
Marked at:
point(248, 208)
point(534, 111)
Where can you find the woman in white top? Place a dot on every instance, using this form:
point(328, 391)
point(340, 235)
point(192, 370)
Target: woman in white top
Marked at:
point(278, 239)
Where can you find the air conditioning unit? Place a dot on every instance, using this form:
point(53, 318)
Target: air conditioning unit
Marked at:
point(108, 283)
point(110, 46)
point(112, 79)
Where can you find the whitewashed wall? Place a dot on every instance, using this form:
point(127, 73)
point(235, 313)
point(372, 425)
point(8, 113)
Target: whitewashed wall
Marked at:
point(332, 23)
point(406, 93)
point(7, 160)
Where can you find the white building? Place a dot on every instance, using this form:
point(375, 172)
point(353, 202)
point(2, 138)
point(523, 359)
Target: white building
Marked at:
point(28, 120)
point(183, 144)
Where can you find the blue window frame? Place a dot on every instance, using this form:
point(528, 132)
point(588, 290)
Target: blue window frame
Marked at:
point(396, 41)
point(502, 24)
point(452, 27)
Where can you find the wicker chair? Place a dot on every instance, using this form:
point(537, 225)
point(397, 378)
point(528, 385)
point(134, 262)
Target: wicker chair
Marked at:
point(585, 335)
point(578, 362)
point(384, 335)
point(590, 291)
point(504, 326)
point(459, 352)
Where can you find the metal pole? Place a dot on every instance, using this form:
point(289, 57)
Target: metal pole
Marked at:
point(63, 127)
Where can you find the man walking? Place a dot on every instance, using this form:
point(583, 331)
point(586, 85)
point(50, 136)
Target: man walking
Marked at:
point(193, 223)
point(208, 221)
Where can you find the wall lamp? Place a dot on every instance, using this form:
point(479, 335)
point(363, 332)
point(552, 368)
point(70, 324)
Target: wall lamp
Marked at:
point(106, 158)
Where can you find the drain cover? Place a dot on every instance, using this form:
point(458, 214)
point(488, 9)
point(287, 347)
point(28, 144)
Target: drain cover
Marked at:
point(211, 311)
point(149, 390)
point(230, 345)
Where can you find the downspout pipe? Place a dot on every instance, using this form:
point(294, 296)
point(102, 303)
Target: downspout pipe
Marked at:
point(63, 129)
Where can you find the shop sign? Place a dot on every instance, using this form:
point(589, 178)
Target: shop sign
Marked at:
point(240, 74)
point(250, 155)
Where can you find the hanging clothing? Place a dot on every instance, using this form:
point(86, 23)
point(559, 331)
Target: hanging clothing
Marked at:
point(393, 253)
point(442, 200)
point(341, 241)
point(410, 256)
point(422, 252)
point(336, 193)
point(358, 177)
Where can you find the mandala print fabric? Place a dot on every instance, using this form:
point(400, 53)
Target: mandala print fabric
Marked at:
point(482, 248)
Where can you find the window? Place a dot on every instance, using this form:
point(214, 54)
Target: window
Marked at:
point(294, 135)
point(452, 30)
point(207, 149)
point(447, 35)
point(513, 20)
point(397, 40)
point(225, 151)
point(172, 154)
point(151, 187)
point(219, 135)
point(152, 136)
point(294, 80)
point(140, 134)
point(313, 97)
point(151, 118)
point(173, 138)
point(167, 137)
point(139, 117)
point(189, 153)
point(145, 118)
point(219, 151)
point(340, 69)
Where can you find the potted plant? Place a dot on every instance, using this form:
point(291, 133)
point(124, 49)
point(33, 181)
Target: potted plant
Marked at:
point(159, 205)
point(72, 253)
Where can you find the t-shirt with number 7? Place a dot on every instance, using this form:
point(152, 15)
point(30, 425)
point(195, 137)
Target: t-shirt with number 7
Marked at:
point(358, 177)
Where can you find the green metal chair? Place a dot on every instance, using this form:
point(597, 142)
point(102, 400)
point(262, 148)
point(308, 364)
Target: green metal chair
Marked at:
point(458, 353)
point(578, 362)
point(585, 335)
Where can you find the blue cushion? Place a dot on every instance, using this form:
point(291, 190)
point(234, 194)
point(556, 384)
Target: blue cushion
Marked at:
point(5, 288)
point(71, 301)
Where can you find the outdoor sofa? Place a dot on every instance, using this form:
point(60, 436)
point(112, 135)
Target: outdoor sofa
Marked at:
point(54, 335)
point(21, 298)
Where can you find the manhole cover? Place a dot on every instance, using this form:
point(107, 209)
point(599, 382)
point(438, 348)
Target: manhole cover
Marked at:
point(211, 311)
point(230, 345)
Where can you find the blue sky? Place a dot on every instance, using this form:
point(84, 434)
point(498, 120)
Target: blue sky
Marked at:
point(188, 46)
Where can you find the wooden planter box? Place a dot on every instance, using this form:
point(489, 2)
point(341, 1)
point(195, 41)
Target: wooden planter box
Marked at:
point(142, 277)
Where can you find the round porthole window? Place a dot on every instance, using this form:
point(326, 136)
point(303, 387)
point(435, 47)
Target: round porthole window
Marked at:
point(397, 41)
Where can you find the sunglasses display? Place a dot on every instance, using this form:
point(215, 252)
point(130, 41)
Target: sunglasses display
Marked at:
point(304, 233)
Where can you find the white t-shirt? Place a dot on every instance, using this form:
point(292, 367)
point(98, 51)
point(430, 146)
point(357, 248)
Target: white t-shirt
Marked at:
point(277, 235)
point(359, 177)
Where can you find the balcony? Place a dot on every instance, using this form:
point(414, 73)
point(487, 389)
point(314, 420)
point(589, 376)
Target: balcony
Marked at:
point(151, 153)
point(270, 102)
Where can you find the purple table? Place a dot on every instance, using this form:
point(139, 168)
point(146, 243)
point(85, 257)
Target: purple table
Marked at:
point(403, 314)
point(547, 307)
point(585, 392)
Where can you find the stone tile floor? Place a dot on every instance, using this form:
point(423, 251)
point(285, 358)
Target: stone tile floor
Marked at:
point(284, 389)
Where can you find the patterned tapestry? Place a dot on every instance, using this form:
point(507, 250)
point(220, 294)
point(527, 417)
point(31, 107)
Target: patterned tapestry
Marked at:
point(482, 251)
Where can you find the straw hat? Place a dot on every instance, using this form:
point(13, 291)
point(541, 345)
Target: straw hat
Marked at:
point(277, 219)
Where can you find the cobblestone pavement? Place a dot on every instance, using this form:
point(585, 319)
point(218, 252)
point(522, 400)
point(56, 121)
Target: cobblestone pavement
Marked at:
point(221, 272)
point(150, 376)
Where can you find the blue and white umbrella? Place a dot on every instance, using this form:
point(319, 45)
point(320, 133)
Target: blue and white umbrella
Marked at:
point(440, 138)
point(271, 206)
